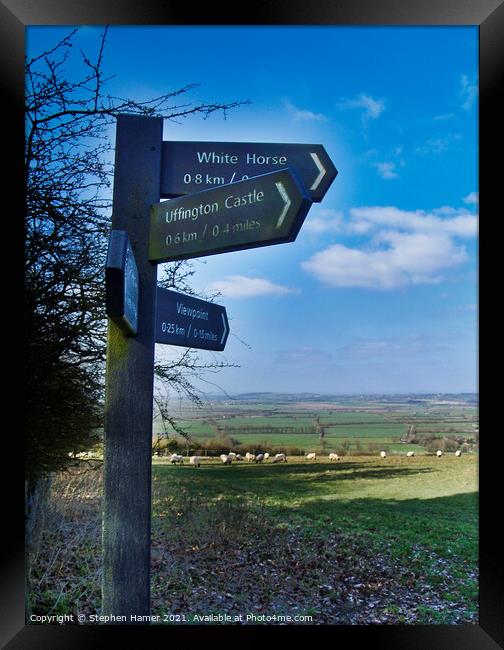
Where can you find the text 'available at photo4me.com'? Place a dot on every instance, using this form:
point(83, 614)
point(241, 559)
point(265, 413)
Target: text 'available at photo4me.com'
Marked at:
point(102, 619)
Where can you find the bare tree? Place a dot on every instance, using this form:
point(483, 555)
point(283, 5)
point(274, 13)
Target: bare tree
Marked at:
point(69, 168)
point(68, 173)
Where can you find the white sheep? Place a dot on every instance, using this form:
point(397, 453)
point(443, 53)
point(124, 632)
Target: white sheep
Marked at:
point(176, 458)
point(311, 456)
point(239, 457)
point(279, 458)
point(439, 453)
point(225, 459)
point(333, 456)
point(266, 456)
point(249, 456)
point(232, 455)
point(195, 460)
point(383, 454)
point(410, 454)
point(259, 458)
point(458, 453)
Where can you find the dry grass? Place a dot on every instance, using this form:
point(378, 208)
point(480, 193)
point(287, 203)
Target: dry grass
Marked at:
point(361, 542)
point(66, 567)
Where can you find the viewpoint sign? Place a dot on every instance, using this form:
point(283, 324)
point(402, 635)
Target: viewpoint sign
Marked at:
point(189, 167)
point(264, 210)
point(190, 322)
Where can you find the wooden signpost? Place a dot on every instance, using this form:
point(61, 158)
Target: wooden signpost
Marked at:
point(252, 209)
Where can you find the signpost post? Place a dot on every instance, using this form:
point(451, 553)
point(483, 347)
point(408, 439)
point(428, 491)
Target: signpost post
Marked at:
point(231, 212)
point(129, 383)
point(190, 322)
point(263, 210)
point(190, 167)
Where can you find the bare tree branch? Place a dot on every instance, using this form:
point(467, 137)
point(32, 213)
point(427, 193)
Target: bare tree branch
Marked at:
point(69, 167)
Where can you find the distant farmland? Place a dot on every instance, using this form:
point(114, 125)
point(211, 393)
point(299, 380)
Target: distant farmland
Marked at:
point(309, 426)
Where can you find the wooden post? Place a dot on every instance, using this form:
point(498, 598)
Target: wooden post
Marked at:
point(129, 382)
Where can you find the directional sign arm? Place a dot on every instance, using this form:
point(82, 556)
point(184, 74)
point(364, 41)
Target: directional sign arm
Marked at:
point(190, 322)
point(259, 211)
point(190, 167)
point(121, 283)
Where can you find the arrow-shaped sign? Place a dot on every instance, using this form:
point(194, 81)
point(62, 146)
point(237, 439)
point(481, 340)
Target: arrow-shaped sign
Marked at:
point(264, 210)
point(190, 322)
point(189, 167)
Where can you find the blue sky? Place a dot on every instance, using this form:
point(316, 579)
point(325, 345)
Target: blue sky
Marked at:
point(379, 291)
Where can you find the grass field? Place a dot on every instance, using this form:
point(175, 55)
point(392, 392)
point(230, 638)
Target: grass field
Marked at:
point(403, 530)
point(361, 541)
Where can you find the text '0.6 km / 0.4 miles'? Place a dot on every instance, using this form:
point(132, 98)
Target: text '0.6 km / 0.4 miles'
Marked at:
point(263, 210)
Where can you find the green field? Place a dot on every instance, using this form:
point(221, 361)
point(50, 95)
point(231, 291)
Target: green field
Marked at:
point(360, 541)
point(414, 518)
point(354, 423)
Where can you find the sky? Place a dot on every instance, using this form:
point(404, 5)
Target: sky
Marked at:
point(378, 293)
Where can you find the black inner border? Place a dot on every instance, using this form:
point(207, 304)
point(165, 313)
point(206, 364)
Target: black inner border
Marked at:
point(15, 15)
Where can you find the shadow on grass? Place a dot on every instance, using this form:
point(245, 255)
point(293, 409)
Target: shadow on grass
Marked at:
point(460, 509)
point(286, 481)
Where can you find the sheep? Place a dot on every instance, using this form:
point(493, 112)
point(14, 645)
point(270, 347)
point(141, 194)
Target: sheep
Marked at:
point(249, 456)
point(383, 454)
point(195, 460)
point(232, 455)
point(176, 458)
point(333, 456)
point(239, 457)
point(266, 456)
point(279, 458)
point(259, 458)
point(410, 453)
point(439, 453)
point(311, 456)
point(225, 459)
point(458, 453)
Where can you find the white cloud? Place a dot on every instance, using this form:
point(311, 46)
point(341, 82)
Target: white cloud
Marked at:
point(440, 144)
point(386, 170)
point(472, 198)
point(434, 145)
point(469, 92)
point(371, 108)
point(461, 224)
point(359, 227)
point(324, 220)
point(404, 249)
point(240, 286)
point(409, 259)
point(302, 115)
